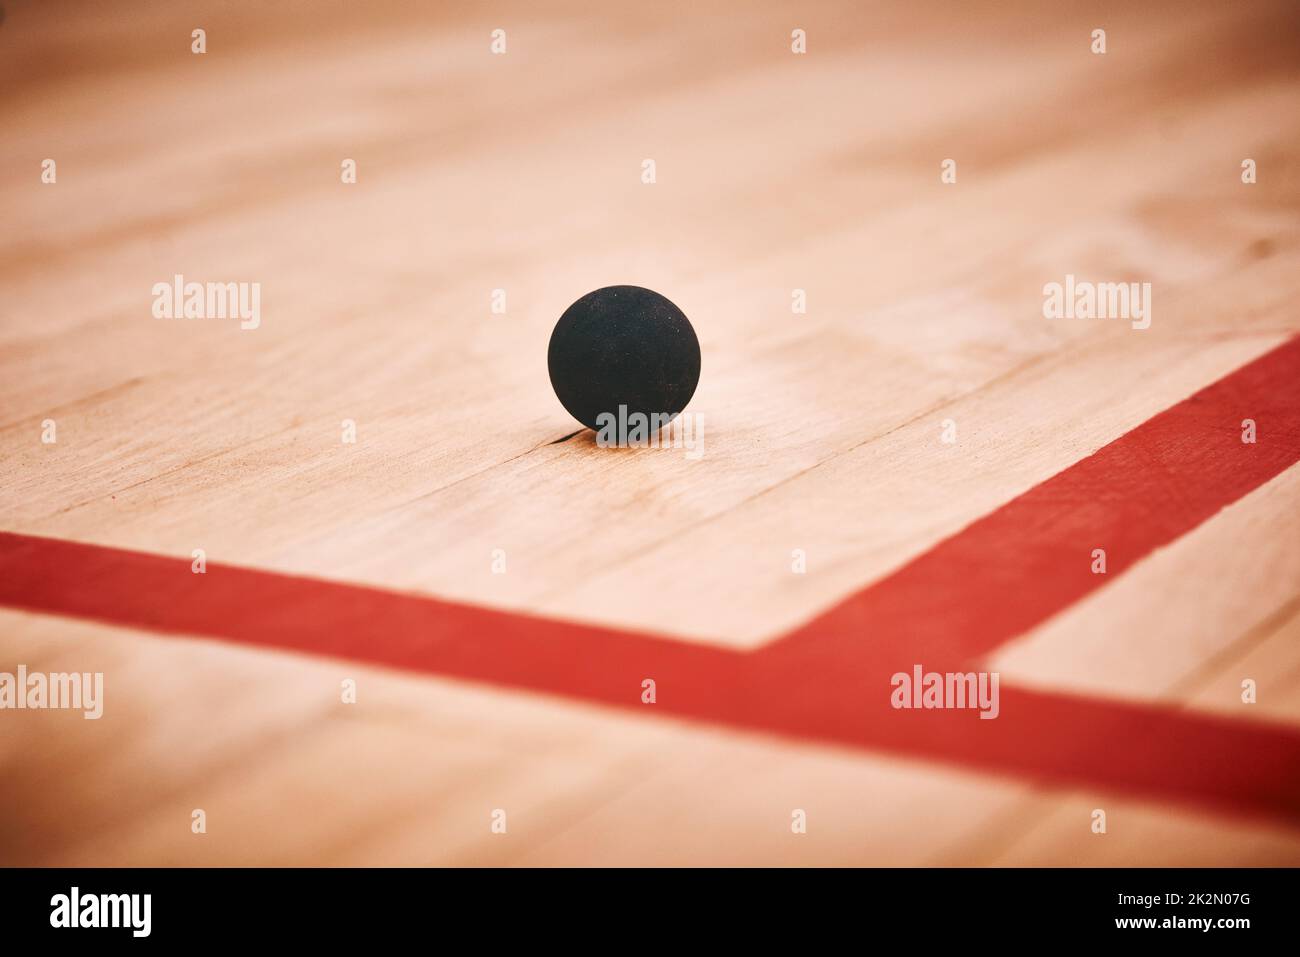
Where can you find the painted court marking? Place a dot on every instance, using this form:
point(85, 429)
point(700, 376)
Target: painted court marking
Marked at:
point(828, 680)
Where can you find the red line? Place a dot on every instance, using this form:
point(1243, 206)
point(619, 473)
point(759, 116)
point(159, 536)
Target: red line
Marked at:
point(1019, 565)
point(829, 680)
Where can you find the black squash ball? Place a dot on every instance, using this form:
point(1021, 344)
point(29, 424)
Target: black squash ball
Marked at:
point(623, 346)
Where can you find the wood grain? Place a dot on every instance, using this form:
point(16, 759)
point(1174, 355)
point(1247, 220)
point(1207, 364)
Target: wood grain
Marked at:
point(521, 172)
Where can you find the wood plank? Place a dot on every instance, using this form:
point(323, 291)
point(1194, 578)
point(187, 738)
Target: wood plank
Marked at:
point(776, 172)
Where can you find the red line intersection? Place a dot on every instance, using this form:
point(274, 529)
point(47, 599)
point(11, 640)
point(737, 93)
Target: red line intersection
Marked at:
point(829, 680)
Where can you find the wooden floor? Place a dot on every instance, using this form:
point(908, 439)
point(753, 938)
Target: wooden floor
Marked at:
point(522, 172)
